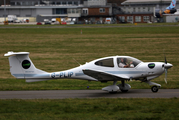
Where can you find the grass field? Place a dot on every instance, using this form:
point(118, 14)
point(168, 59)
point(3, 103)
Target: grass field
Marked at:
point(53, 49)
point(90, 109)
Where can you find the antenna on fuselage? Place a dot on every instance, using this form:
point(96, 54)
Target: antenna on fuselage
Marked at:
point(76, 61)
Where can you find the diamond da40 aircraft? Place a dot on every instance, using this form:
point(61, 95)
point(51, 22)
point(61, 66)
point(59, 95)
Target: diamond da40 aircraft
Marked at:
point(114, 68)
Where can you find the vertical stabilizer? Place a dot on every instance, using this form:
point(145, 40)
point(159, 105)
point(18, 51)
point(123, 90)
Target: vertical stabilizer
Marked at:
point(172, 5)
point(22, 67)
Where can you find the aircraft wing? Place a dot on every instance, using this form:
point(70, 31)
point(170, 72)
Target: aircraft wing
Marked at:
point(104, 76)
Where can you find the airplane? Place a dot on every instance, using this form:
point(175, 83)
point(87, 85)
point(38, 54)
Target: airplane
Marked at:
point(169, 10)
point(113, 68)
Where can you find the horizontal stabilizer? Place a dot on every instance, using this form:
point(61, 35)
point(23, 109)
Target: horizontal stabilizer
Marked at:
point(16, 53)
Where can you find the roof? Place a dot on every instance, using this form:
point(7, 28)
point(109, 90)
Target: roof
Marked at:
point(127, 2)
point(40, 6)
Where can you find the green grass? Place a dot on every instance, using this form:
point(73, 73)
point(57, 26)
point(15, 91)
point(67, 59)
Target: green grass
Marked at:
point(53, 49)
point(90, 109)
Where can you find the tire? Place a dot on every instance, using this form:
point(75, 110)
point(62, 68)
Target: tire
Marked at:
point(154, 89)
point(113, 92)
point(124, 91)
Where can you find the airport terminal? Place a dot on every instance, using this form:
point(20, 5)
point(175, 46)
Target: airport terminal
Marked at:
point(88, 11)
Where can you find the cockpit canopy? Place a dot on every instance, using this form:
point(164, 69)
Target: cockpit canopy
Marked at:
point(127, 62)
point(122, 62)
point(105, 62)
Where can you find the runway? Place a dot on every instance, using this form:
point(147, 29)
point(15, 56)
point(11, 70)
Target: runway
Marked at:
point(63, 94)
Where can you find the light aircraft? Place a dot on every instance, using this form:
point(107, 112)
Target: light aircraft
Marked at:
point(169, 10)
point(114, 68)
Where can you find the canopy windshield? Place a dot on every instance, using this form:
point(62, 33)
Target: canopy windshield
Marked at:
point(127, 62)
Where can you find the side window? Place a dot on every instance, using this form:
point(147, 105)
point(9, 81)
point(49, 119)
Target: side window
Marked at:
point(127, 62)
point(105, 62)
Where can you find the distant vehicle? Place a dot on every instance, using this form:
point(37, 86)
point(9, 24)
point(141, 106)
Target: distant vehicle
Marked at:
point(47, 23)
point(108, 21)
point(39, 23)
point(17, 21)
point(53, 20)
point(11, 18)
point(46, 20)
point(70, 22)
point(63, 23)
point(25, 20)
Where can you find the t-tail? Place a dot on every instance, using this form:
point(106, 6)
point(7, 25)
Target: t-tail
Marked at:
point(169, 10)
point(22, 67)
point(172, 5)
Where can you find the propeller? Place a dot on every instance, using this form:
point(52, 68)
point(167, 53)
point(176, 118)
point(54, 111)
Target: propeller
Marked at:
point(165, 76)
point(166, 67)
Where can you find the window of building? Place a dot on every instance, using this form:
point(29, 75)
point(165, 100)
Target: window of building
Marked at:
point(68, 11)
point(102, 10)
point(13, 3)
point(129, 18)
point(85, 10)
point(146, 18)
point(73, 10)
point(137, 18)
point(139, 9)
point(105, 62)
point(70, 2)
point(122, 18)
point(134, 9)
point(75, 3)
point(64, 3)
point(124, 9)
point(61, 11)
point(58, 3)
point(78, 10)
point(36, 3)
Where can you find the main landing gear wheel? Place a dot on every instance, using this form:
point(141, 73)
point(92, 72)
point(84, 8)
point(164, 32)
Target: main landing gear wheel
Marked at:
point(113, 92)
point(124, 91)
point(154, 89)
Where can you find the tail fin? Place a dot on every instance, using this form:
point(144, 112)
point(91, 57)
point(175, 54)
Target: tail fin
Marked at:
point(22, 67)
point(172, 5)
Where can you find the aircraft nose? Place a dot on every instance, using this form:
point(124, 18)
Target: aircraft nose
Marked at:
point(168, 65)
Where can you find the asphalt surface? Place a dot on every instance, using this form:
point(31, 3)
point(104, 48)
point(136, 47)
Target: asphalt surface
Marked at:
point(63, 94)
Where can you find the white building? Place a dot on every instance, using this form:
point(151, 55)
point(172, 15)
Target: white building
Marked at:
point(37, 8)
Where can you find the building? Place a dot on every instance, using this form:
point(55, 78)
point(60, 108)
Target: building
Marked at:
point(89, 11)
point(95, 11)
point(42, 9)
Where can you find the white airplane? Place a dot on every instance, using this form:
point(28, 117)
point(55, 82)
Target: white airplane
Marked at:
point(114, 68)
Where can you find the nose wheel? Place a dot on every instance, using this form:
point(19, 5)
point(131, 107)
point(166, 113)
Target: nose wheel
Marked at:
point(154, 89)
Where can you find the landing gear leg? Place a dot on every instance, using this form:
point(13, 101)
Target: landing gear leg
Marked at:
point(124, 87)
point(155, 86)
